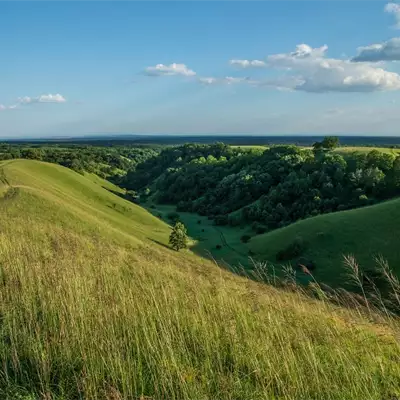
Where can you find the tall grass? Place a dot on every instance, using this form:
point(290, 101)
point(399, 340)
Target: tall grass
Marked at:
point(83, 319)
point(88, 310)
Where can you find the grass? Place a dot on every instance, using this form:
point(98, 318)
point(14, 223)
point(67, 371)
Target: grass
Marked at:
point(206, 237)
point(362, 149)
point(365, 232)
point(93, 308)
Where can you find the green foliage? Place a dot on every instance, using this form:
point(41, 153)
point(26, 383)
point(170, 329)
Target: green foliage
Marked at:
point(330, 142)
point(273, 188)
point(178, 237)
point(245, 238)
point(110, 162)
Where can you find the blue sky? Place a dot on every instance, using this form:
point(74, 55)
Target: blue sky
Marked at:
point(318, 67)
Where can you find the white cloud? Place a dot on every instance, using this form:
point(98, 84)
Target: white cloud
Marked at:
point(44, 98)
point(247, 63)
point(394, 8)
point(228, 80)
point(386, 51)
point(52, 98)
point(208, 80)
point(312, 71)
point(26, 100)
point(172, 69)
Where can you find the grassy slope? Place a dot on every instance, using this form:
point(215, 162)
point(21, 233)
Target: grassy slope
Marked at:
point(93, 309)
point(365, 233)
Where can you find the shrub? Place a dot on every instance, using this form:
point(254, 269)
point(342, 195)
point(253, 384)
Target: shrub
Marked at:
point(245, 238)
point(292, 250)
point(199, 221)
point(218, 247)
point(221, 220)
point(153, 206)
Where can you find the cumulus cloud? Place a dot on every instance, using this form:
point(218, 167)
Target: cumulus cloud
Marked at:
point(394, 8)
point(386, 51)
point(172, 69)
point(247, 63)
point(312, 71)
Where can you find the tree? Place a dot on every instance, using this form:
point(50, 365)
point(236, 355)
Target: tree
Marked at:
point(330, 142)
point(178, 238)
point(327, 144)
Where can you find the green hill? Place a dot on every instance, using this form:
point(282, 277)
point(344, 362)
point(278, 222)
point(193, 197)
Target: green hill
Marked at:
point(365, 233)
point(93, 305)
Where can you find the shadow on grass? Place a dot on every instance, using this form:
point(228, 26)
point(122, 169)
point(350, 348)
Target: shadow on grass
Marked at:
point(160, 243)
point(122, 195)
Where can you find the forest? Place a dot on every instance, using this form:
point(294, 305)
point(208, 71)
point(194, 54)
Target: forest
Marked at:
point(269, 188)
point(109, 162)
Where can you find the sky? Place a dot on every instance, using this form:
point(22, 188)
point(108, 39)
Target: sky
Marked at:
point(258, 68)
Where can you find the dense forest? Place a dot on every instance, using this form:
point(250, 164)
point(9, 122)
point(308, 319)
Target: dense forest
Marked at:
point(269, 188)
point(111, 162)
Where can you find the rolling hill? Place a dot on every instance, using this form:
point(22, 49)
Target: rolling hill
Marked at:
point(94, 305)
point(366, 233)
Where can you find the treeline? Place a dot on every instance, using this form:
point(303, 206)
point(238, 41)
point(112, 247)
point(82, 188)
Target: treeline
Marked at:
point(110, 162)
point(270, 188)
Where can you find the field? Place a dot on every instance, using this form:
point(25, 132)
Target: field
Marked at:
point(351, 149)
point(341, 150)
point(94, 305)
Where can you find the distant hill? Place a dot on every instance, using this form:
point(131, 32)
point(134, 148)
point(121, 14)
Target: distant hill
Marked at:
point(365, 233)
point(94, 305)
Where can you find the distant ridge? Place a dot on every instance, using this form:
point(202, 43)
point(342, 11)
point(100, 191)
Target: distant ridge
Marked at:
point(239, 140)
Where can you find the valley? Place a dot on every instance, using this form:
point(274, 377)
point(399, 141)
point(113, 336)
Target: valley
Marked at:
point(95, 303)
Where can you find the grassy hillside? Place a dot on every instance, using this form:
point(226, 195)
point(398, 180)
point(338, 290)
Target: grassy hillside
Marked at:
point(365, 233)
point(94, 306)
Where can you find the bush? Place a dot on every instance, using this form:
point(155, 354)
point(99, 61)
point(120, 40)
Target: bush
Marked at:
point(153, 206)
point(245, 238)
point(292, 250)
point(199, 221)
point(218, 247)
point(221, 220)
